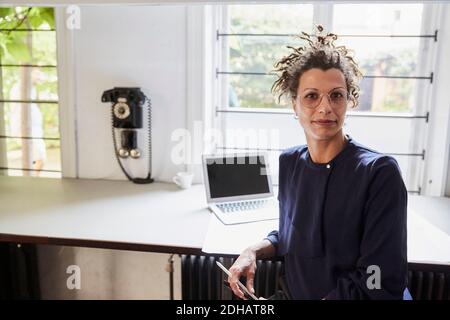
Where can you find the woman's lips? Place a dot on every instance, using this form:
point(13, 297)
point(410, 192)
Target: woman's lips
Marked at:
point(325, 123)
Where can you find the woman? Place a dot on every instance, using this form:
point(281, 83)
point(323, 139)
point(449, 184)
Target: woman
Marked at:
point(342, 230)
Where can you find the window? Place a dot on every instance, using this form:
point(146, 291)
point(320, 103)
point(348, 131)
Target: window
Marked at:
point(251, 54)
point(393, 43)
point(29, 129)
point(390, 64)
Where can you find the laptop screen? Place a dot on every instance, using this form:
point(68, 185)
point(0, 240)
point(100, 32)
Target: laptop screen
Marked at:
point(235, 176)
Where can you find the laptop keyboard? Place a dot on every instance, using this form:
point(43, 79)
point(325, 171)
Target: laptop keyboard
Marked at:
point(246, 211)
point(242, 205)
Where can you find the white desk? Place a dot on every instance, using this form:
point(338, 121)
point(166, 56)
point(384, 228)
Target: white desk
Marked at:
point(159, 217)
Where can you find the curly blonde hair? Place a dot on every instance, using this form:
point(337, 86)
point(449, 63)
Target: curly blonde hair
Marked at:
point(320, 53)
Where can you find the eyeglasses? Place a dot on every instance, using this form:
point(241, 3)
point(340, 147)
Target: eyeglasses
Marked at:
point(312, 99)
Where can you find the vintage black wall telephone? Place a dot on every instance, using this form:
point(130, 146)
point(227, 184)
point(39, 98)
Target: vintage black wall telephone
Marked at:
point(127, 115)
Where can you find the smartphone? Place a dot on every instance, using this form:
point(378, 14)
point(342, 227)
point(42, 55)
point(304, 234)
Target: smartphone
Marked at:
point(247, 294)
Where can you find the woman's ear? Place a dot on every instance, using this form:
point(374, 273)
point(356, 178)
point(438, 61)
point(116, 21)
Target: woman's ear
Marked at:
point(352, 102)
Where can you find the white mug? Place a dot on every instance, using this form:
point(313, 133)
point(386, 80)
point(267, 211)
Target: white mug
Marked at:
point(183, 179)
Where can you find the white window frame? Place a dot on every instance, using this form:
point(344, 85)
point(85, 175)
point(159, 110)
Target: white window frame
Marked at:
point(68, 116)
point(3, 149)
point(437, 138)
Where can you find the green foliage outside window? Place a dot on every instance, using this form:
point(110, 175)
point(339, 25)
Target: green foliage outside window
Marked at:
point(258, 54)
point(14, 50)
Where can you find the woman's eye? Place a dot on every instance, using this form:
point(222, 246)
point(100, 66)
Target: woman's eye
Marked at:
point(311, 96)
point(336, 95)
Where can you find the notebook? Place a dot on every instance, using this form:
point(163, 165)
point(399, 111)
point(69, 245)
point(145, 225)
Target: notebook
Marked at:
point(239, 187)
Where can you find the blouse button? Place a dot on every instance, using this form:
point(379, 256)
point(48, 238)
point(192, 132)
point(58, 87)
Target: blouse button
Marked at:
point(328, 166)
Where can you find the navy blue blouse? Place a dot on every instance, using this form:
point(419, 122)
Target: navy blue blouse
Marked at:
point(339, 218)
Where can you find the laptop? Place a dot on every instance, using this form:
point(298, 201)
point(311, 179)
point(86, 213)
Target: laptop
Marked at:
point(239, 187)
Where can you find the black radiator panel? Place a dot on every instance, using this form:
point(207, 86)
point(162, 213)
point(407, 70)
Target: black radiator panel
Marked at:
point(202, 279)
point(429, 281)
point(19, 277)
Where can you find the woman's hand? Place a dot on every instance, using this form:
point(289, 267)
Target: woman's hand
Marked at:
point(245, 265)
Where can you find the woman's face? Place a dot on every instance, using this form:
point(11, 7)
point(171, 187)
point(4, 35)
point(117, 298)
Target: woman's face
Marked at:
point(321, 103)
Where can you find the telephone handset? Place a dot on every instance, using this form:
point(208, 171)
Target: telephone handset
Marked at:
point(126, 115)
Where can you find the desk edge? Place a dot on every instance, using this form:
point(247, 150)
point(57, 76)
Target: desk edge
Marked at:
point(100, 244)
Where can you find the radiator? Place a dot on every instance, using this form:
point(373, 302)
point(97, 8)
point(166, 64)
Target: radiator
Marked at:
point(203, 280)
point(19, 276)
point(429, 281)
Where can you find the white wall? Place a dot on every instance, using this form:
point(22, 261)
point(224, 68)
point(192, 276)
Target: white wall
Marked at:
point(129, 46)
point(447, 190)
point(106, 274)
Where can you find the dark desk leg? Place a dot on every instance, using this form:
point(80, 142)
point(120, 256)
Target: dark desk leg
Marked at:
point(19, 276)
point(169, 269)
